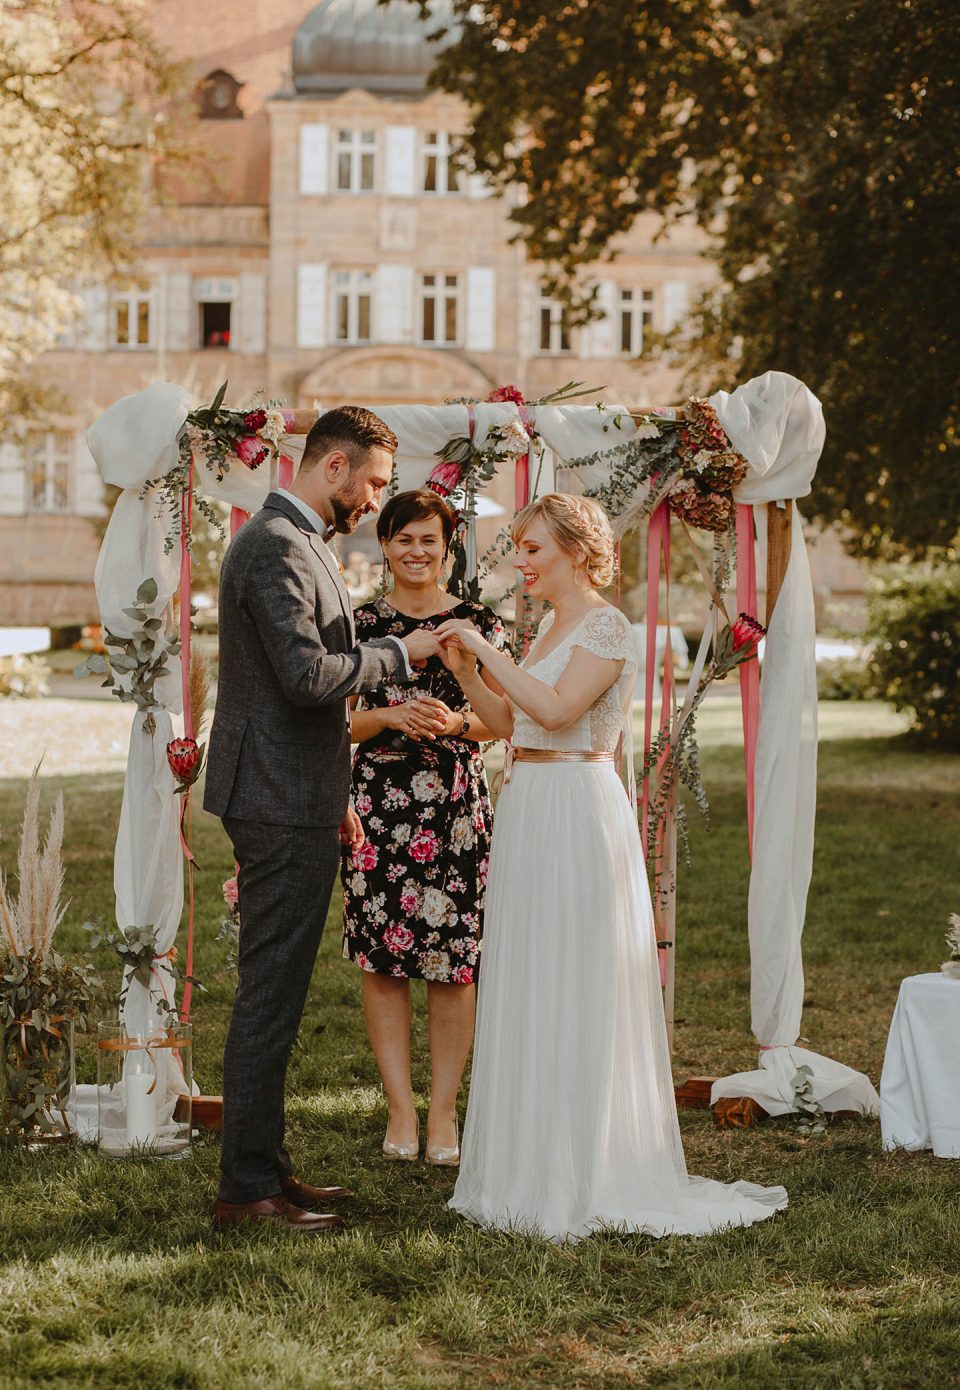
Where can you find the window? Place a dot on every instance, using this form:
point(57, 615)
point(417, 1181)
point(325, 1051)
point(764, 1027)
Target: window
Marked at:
point(554, 333)
point(215, 325)
point(217, 97)
point(636, 316)
point(352, 291)
point(355, 151)
point(438, 174)
point(48, 472)
point(130, 325)
point(439, 308)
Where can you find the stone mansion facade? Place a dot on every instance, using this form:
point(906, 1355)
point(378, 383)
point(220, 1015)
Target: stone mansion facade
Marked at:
point(326, 251)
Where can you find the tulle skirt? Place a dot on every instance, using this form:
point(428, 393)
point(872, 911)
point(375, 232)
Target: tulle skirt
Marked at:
point(571, 1122)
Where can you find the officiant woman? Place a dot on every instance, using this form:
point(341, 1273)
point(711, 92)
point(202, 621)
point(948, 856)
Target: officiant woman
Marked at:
point(413, 893)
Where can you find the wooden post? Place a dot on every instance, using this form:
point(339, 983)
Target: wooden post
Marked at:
point(779, 530)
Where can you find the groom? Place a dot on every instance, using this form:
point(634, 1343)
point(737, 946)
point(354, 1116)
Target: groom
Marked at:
point(278, 774)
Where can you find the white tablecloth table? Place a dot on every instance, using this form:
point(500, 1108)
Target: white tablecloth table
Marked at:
point(920, 1083)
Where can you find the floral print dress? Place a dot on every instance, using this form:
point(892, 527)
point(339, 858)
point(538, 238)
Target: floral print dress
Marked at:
point(413, 892)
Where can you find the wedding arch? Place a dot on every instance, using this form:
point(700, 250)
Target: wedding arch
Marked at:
point(763, 441)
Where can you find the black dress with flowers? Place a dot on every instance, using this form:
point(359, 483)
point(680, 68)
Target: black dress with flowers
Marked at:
point(413, 893)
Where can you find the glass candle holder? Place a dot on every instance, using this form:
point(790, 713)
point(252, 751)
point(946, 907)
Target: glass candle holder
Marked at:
point(144, 1090)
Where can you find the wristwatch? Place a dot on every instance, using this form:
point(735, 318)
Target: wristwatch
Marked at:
point(464, 725)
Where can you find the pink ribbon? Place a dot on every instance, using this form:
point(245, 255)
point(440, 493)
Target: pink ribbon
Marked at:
point(186, 515)
point(658, 548)
point(285, 471)
point(750, 670)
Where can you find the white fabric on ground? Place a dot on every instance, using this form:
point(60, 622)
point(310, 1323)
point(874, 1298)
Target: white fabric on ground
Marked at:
point(920, 1084)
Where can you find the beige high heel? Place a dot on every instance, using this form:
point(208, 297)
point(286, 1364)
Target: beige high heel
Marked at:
point(402, 1153)
point(444, 1158)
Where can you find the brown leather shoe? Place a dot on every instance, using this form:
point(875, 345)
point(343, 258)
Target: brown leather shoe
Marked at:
point(301, 1194)
point(275, 1209)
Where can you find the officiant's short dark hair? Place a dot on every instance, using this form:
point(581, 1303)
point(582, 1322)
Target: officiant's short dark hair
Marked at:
point(352, 428)
point(419, 504)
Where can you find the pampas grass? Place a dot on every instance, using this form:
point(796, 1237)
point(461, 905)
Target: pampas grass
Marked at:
point(198, 690)
point(30, 921)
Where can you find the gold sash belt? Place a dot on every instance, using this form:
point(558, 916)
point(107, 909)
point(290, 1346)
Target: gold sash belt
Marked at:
point(552, 755)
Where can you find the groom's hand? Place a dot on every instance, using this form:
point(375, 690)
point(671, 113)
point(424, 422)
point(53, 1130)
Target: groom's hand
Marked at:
point(351, 830)
point(420, 645)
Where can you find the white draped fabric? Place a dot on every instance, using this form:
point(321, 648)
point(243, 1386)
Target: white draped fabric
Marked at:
point(774, 421)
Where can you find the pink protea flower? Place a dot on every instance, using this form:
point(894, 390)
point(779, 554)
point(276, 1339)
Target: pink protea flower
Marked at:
point(746, 632)
point(250, 450)
point(507, 393)
point(255, 420)
point(445, 478)
point(183, 755)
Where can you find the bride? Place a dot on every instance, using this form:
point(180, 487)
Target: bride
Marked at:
point(571, 1121)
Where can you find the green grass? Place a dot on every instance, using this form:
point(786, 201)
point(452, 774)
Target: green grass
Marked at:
point(111, 1277)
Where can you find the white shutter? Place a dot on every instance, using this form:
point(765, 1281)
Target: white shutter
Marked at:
point(88, 485)
point(478, 187)
point(600, 337)
point(249, 333)
point(676, 299)
point(179, 312)
point(312, 306)
point(93, 328)
point(394, 304)
point(481, 309)
point(400, 150)
point(314, 158)
point(13, 482)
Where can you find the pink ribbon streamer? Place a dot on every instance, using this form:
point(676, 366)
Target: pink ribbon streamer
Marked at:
point(658, 544)
point(750, 670)
point(186, 516)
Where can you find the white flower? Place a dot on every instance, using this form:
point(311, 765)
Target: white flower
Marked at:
point(953, 935)
point(274, 429)
point(462, 835)
point(435, 965)
point(647, 431)
point(428, 786)
point(702, 460)
point(401, 833)
point(512, 440)
point(357, 885)
point(437, 910)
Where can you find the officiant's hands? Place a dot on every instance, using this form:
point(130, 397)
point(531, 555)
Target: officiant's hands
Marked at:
point(422, 717)
point(351, 830)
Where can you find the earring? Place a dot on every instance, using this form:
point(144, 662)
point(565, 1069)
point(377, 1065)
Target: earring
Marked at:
point(385, 576)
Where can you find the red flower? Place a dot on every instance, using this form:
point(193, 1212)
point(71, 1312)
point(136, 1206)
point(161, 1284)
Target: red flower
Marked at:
point(250, 451)
point(746, 633)
point(183, 755)
point(424, 846)
point(445, 478)
point(255, 420)
point(507, 393)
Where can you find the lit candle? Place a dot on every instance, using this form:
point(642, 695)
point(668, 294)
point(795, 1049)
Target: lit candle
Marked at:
point(141, 1112)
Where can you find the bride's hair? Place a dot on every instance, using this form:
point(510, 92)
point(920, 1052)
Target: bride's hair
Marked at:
point(575, 523)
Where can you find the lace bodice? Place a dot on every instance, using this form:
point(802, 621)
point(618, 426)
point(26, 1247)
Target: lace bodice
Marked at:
point(607, 633)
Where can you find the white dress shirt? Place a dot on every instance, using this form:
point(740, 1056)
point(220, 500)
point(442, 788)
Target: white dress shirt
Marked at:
point(325, 530)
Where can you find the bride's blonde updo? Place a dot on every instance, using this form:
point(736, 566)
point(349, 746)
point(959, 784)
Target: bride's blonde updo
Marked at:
point(576, 524)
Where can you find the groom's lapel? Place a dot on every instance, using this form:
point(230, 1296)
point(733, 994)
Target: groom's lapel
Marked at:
point(327, 558)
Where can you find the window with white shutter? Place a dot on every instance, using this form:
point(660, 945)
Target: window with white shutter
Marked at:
point(314, 158)
point(394, 304)
point(439, 318)
point(554, 333)
point(250, 335)
point(312, 306)
point(355, 151)
point(598, 338)
point(179, 327)
point(399, 161)
point(481, 309)
point(634, 319)
point(352, 306)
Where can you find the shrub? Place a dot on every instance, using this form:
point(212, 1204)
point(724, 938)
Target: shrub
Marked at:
point(914, 626)
point(845, 678)
point(25, 676)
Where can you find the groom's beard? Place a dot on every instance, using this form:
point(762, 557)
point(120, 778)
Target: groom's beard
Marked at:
point(348, 511)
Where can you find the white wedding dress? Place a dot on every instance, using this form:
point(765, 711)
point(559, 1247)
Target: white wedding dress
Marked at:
point(571, 1122)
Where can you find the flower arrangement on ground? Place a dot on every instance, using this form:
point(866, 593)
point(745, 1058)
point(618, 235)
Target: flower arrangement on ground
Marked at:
point(42, 997)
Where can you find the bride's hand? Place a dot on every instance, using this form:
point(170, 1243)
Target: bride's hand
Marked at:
point(463, 632)
point(458, 661)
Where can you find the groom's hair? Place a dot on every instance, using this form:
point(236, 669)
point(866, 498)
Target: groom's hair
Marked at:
point(352, 428)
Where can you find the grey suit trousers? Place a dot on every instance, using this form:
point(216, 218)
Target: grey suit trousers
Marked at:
point(286, 878)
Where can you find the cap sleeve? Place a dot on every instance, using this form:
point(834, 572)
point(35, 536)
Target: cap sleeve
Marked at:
point(607, 633)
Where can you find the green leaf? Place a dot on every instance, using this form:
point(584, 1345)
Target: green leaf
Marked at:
point(218, 399)
point(147, 593)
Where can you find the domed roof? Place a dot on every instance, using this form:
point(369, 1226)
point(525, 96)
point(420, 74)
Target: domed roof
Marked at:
point(360, 43)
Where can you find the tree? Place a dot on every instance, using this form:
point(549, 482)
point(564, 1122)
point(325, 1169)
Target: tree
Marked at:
point(86, 93)
point(817, 142)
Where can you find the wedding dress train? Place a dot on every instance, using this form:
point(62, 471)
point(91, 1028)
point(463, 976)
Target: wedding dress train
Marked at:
point(571, 1122)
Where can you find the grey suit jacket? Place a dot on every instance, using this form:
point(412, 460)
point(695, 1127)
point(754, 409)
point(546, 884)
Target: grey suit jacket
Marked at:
point(280, 744)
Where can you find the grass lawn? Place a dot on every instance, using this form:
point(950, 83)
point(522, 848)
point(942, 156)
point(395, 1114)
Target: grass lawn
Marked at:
point(111, 1277)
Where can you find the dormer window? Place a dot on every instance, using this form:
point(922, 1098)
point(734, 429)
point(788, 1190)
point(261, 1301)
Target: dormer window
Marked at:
point(218, 94)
